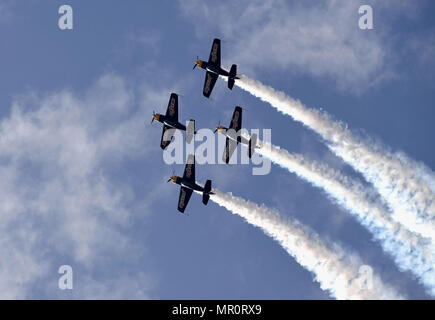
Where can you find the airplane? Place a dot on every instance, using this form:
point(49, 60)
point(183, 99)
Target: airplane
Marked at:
point(170, 121)
point(214, 70)
point(234, 137)
point(188, 185)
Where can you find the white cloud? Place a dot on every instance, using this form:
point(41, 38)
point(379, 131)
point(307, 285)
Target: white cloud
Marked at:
point(58, 195)
point(321, 39)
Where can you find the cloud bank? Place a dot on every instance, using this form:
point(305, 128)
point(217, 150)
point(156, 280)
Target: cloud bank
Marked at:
point(59, 200)
point(319, 39)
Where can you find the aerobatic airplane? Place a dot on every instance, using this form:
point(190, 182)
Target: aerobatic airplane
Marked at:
point(234, 137)
point(188, 185)
point(170, 123)
point(214, 70)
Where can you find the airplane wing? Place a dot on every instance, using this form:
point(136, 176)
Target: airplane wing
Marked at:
point(215, 53)
point(210, 81)
point(230, 146)
point(236, 120)
point(184, 198)
point(172, 110)
point(189, 170)
point(166, 136)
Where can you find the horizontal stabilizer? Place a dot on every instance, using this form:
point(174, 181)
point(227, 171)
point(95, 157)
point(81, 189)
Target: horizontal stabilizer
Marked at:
point(252, 145)
point(190, 131)
point(206, 193)
point(232, 76)
point(231, 83)
point(233, 71)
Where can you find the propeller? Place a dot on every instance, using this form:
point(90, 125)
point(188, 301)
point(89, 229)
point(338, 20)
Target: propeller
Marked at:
point(173, 174)
point(153, 117)
point(194, 66)
point(217, 126)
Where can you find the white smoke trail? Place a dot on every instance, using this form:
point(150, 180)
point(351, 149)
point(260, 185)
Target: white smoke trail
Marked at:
point(337, 270)
point(409, 197)
point(410, 251)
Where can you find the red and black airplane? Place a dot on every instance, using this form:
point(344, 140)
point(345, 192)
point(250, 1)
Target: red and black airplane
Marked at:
point(214, 70)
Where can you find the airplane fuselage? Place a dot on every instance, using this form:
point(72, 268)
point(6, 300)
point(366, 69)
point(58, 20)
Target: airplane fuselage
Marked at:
point(187, 184)
point(214, 69)
point(191, 185)
point(169, 122)
point(237, 138)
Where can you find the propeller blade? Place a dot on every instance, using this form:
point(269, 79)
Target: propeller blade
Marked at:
point(152, 120)
point(215, 131)
point(194, 67)
point(168, 180)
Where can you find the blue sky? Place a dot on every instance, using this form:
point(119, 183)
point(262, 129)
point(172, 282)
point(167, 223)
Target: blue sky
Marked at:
point(83, 177)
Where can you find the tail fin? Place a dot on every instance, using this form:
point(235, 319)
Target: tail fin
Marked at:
point(206, 193)
point(190, 131)
point(252, 145)
point(231, 83)
point(232, 76)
